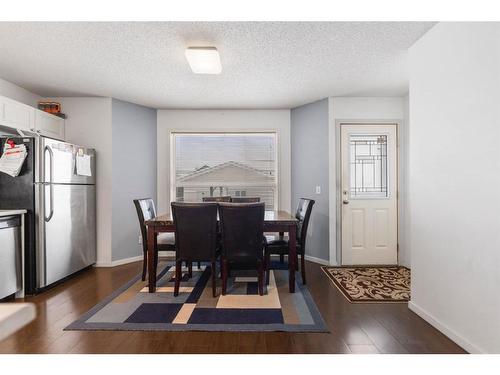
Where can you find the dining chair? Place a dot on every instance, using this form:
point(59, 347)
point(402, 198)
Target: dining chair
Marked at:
point(245, 199)
point(164, 241)
point(279, 244)
point(242, 226)
point(225, 198)
point(196, 237)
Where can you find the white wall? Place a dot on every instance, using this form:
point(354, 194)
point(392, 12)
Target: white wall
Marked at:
point(18, 93)
point(222, 120)
point(455, 182)
point(368, 108)
point(404, 186)
point(363, 109)
point(113, 127)
point(89, 124)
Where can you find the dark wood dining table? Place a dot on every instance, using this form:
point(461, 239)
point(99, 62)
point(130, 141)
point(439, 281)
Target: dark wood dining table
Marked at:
point(274, 221)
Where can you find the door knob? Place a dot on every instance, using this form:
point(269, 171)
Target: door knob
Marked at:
point(345, 201)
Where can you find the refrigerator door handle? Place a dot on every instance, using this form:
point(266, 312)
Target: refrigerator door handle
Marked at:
point(51, 187)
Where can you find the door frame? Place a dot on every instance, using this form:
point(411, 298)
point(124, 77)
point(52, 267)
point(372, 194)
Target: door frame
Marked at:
point(338, 179)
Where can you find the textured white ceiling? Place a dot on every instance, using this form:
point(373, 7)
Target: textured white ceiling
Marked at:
point(264, 64)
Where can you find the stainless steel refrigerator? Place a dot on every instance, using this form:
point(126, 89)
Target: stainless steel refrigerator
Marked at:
point(61, 203)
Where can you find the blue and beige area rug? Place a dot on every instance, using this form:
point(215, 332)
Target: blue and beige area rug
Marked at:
point(131, 307)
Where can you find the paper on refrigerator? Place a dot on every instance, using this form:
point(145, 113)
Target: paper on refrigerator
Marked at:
point(83, 165)
point(12, 159)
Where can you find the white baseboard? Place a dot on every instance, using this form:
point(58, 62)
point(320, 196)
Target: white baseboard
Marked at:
point(120, 262)
point(317, 260)
point(311, 259)
point(137, 258)
point(450, 333)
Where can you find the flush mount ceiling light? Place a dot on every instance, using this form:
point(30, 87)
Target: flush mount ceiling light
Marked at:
point(204, 60)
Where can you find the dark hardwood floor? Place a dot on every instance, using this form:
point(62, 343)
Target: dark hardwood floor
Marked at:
point(355, 328)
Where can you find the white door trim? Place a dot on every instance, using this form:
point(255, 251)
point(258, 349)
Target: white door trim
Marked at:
point(338, 177)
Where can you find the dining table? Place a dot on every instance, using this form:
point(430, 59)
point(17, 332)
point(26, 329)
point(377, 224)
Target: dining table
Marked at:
point(274, 221)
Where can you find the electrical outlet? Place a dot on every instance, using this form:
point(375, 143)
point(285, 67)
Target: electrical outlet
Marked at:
point(318, 189)
point(140, 240)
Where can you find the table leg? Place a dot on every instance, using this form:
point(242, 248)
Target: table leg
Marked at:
point(151, 259)
point(292, 254)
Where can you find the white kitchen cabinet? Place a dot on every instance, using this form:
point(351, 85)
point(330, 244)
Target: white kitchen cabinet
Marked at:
point(49, 125)
point(16, 115)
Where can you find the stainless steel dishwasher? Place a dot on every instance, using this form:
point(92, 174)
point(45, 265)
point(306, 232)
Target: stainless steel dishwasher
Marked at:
point(10, 255)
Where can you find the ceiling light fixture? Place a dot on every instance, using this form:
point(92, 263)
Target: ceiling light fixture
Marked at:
point(204, 60)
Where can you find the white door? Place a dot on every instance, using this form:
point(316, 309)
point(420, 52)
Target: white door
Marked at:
point(369, 194)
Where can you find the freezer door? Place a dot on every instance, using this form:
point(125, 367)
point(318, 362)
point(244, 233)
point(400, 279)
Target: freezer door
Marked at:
point(57, 162)
point(67, 231)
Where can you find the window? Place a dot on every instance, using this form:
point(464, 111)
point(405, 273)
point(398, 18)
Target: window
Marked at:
point(221, 164)
point(368, 165)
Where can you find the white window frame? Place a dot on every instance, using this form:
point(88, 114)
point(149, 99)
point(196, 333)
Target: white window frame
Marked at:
point(388, 162)
point(277, 147)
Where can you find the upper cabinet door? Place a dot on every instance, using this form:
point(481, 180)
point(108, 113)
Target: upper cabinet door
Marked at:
point(16, 115)
point(26, 118)
point(49, 125)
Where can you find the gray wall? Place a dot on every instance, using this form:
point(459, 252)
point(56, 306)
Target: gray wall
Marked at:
point(134, 172)
point(309, 140)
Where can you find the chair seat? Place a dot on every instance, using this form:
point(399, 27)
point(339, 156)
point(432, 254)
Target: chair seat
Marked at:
point(275, 240)
point(279, 244)
point(166, 239)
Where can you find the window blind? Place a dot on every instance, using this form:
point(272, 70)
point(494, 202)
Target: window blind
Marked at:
point(225, 164)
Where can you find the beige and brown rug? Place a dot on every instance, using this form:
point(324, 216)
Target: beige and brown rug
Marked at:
point(371, 284)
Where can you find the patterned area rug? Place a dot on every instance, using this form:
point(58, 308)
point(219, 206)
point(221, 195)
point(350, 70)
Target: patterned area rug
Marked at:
point(371, 284)
point(242, 309)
